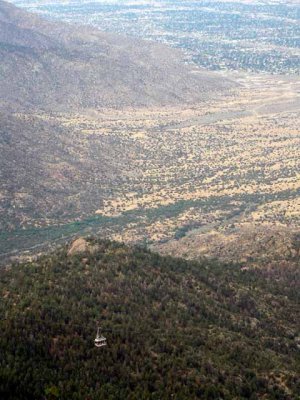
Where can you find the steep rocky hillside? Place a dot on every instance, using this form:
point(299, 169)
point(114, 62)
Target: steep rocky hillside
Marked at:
point(50, 172)
point(256, 245)
point(174, 329)
point(59, 67)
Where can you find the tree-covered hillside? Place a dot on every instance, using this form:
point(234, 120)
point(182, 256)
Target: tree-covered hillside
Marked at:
point(175, 329)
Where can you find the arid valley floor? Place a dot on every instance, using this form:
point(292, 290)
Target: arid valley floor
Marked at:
point(210, 171)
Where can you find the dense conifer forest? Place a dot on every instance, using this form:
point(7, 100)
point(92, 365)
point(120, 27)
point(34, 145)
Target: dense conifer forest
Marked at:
point(175, 329)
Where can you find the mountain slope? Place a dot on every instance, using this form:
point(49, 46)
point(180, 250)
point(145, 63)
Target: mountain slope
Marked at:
point(49, 170)
point(258, 245)
point(175, 329)
point(59, 67)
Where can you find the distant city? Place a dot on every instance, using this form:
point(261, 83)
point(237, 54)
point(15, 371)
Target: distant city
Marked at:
point(256, 36)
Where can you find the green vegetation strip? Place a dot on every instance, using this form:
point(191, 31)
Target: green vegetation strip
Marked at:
point(35, 238)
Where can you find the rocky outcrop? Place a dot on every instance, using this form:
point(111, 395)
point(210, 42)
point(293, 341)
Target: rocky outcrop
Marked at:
point(80, 245)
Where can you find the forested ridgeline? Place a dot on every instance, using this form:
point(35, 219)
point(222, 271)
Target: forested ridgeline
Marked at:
point(174, 329)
